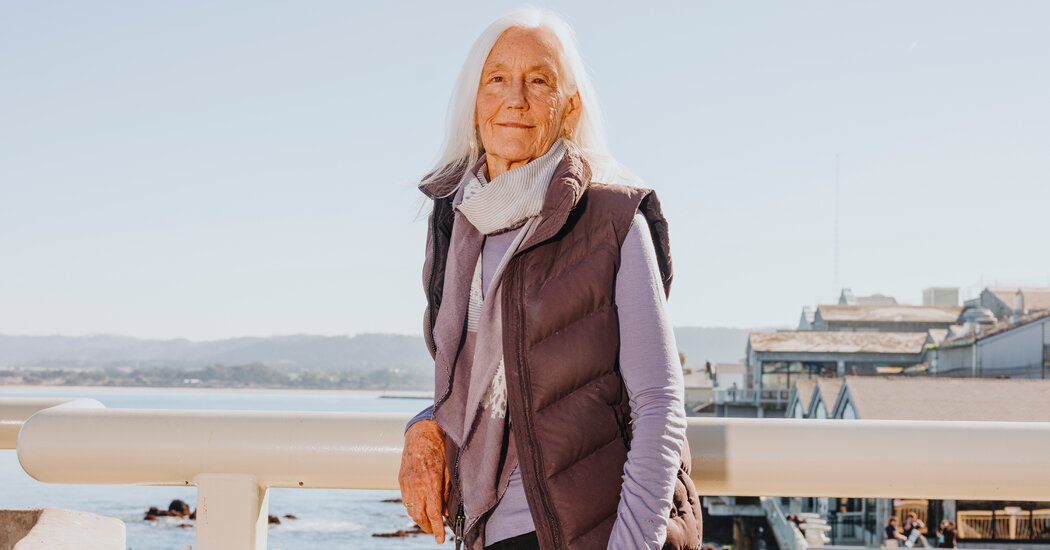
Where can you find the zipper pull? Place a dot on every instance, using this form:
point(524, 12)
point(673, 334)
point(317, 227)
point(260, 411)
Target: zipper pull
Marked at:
point(457, 527)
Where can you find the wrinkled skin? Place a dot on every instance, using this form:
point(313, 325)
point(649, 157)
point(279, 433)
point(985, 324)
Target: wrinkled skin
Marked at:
point(424, 477)
point(524, 103)
point(523, 106)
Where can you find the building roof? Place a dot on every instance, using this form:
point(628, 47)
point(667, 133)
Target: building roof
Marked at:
point(847, 297)
point(805, 322)
point(1034, 298)
point(964, 335)
point(959, 331)
point(838, 342)
point(805, 389)
point(728, 368)
point(890, 314)
point(829, 390)
point(1008, 325)
point(928, 398)
point(938, 335)
point(696, 378)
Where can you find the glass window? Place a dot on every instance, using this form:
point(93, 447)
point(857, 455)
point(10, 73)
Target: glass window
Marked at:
point(849, 413)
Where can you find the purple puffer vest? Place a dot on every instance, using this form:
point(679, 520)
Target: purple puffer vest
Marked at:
point(567, 403)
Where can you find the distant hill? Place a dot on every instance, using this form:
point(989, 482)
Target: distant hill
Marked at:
point(342, 353)
point(333, 353)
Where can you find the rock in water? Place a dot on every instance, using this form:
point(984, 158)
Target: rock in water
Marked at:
point(415, 530)
point(179, 508)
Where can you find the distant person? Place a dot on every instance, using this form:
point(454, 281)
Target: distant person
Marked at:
point(946, 535)
point(912, 531)
point(559, 418)
point(892, 537)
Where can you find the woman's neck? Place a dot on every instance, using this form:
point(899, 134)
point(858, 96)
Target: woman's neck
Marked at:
point(495, 166)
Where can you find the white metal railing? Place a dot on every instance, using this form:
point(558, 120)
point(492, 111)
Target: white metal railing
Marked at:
point(15, 410)
point(1001, 524)
point(235, 457)
point(787, 534)
point(750, 396)
point(861, 458)
point(232, 457)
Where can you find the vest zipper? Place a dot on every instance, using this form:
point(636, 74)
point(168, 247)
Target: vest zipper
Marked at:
point(526, 418)
point(457, 526)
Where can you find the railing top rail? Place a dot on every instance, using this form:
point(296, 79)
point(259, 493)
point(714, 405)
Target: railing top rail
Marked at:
point(233, 457)
point(172, 447)
point(14, 411)
point(730, 456)
point(861, 458)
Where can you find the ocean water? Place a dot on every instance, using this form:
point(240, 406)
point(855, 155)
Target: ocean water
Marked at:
point(328, 519)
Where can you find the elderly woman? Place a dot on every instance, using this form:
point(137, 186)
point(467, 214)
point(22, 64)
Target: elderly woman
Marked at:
point(558, 419)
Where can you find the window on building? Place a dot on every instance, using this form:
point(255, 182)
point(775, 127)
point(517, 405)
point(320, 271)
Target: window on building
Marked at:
point(782, 375)
point(822, 411)
point(849, 413)
point(1046, 349)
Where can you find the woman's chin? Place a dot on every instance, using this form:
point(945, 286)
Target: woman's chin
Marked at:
point(517, 153)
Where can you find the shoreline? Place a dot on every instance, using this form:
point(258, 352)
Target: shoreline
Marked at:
point(410, 394)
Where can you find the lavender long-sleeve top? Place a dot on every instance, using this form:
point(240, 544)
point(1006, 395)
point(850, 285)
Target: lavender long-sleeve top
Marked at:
point(653, 378)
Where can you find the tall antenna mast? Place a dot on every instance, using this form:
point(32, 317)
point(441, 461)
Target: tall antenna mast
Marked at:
point(837, 288)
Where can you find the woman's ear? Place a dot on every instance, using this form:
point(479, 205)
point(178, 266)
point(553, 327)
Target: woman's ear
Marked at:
point(572, 113)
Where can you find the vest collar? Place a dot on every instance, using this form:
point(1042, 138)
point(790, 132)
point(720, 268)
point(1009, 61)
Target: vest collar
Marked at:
point(571, 178)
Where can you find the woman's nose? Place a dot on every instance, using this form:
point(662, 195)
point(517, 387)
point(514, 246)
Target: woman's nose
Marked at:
point(516, 95)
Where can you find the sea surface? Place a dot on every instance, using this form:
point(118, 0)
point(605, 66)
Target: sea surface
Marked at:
point(328, 519)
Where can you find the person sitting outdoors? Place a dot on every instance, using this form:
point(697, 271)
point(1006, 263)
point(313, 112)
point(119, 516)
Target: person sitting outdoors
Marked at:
point(913, 527)
point(946, 534)
point(893, 536)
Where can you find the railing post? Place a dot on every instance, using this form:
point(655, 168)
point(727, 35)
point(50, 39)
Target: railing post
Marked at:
point(232, 512)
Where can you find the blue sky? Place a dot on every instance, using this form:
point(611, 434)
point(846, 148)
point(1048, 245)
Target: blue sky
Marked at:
point(214, 169)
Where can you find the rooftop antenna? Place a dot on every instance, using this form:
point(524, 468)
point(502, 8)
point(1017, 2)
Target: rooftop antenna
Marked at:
point(836, 255)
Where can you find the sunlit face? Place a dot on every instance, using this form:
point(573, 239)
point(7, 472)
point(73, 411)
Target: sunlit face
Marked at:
point(523, 105)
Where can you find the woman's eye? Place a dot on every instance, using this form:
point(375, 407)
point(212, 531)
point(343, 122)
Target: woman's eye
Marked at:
point(538, 81)
point(496, 78)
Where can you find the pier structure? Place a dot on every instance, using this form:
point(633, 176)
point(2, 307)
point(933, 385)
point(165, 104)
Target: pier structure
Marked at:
point(235, 457)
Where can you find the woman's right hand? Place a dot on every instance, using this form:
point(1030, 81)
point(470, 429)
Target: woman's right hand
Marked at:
point(424, 477)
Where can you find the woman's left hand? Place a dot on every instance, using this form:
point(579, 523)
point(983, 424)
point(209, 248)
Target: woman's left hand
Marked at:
point(424, 477)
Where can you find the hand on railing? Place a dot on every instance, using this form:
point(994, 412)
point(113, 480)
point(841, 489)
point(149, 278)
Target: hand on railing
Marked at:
point(424, 477)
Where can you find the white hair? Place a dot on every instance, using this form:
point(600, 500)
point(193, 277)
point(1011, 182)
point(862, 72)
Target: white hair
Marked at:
point(462, 147)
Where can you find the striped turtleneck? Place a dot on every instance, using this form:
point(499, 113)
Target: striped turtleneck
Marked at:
point(512, 197)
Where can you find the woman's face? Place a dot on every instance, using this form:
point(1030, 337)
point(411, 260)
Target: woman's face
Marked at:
point(522, 105)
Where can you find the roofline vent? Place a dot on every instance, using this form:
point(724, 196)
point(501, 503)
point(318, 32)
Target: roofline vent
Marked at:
point(1018, 313)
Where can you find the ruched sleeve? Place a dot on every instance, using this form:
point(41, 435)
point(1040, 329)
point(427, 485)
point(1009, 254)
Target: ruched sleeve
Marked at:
point(652, 374)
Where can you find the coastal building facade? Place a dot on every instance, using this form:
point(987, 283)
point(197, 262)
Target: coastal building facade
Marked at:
point(1017, 347)
point(858, 360)
point(983, 523)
